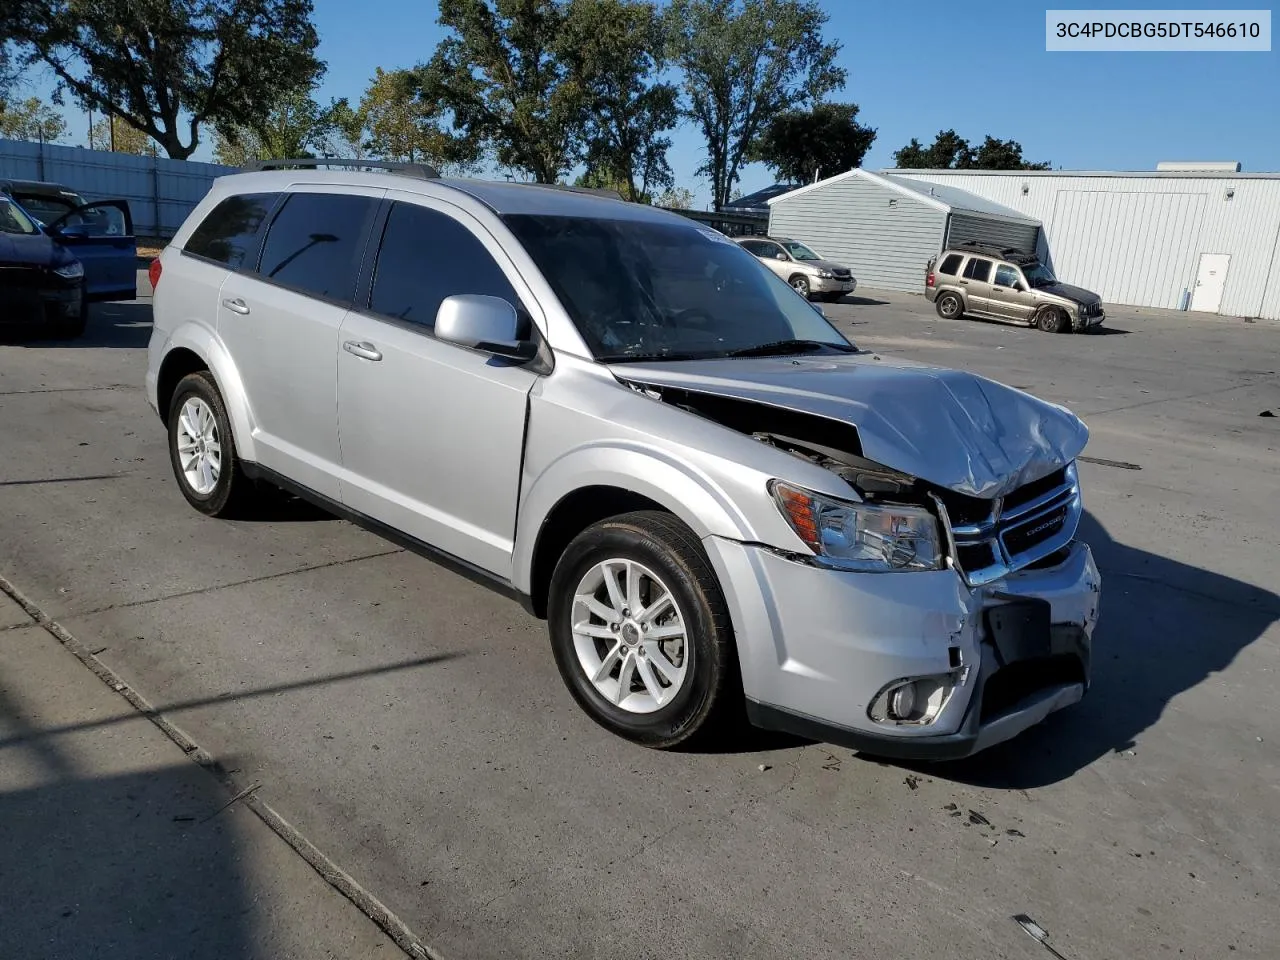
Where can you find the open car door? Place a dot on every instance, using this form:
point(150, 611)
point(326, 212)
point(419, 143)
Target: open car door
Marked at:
point(101, 236)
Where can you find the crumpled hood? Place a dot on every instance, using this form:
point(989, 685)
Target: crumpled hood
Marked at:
point(951, 428)
point(1078, 294)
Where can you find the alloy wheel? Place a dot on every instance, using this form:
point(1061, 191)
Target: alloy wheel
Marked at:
point(199, 450)
point(630, 636)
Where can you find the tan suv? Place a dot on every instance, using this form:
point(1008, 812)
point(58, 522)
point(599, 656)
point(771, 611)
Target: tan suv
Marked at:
point(1010, 286)
point(808, 273)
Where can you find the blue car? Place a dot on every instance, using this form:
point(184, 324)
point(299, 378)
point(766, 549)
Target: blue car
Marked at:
point(99, 235)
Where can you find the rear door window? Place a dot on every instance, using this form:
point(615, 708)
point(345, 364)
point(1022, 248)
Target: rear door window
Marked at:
point(426, 256)
point(951, 264)
point(978, 269)
point(229, 234)
point(315, 244)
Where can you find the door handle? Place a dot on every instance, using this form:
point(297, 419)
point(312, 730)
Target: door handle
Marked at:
point(964, 283)
point(362, 349)
point(236, 305)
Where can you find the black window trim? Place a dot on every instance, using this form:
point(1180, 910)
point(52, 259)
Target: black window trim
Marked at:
point(543, 362)
point(362, 244)
point(259, 234)
point(364, 304)
point(991, 265)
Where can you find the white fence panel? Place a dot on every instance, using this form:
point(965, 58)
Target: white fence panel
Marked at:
point(160, 191)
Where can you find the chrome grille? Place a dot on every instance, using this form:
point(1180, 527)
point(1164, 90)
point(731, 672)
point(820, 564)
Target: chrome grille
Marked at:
point(1028, 525)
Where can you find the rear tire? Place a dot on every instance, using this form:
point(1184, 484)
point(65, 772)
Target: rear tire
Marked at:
point(662, 691)
point(1051, 320)
point(949, 306)
point(202, 449)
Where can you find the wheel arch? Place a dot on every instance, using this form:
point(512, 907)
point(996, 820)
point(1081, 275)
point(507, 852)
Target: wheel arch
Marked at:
point(193, 348)
point(593, 484)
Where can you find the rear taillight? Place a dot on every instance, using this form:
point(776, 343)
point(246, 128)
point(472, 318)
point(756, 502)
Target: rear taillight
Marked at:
point(153, 272)
point(930, 280)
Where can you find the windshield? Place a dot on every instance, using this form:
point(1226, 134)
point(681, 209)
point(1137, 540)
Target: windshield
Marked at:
point(799, 251)
point(13, 219)
point(666, 291)
point(46, 207)
point(1038, 275)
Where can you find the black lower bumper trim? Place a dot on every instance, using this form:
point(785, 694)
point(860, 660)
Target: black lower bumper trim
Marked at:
point(948, 747)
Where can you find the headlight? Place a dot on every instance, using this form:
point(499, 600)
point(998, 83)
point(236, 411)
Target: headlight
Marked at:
point(71, 271)
point(825, 275)
point(860, 536)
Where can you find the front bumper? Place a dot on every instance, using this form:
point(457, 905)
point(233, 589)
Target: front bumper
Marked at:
point(28, 299)
point(822, 285)
point(817, 646)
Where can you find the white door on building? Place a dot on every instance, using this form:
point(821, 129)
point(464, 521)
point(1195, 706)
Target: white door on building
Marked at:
point(1210, 282)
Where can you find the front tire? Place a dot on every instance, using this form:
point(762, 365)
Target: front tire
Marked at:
point(800, 284)
point(202, 450)
point(641, 633)
point(1051, 320)
point(73, 328)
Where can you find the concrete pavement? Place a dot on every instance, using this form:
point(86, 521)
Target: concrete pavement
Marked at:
point(412, 725)
point(117, 845)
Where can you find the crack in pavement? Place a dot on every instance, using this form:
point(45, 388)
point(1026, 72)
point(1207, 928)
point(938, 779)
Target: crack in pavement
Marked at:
point(1189, 396)
point(235, 583)
point(328, 869)
point(109, 386)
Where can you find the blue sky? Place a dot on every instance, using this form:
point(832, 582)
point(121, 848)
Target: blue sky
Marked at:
point(918, 67)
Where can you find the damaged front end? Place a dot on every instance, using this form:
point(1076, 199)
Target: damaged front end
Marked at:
point(982, 538)
point(993, 630)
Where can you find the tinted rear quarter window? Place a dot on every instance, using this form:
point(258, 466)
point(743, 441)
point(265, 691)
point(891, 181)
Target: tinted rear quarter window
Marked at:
point(229, 233)
point(315, 243)
point(426, 256)
point(978, 269)
point(951, 264)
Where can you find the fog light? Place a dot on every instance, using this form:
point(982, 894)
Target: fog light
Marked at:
point(915, 700)
point(902, 701)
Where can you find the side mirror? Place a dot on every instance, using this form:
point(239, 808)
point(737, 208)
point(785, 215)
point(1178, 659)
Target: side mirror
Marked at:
point(780, 255)
point(483, 323)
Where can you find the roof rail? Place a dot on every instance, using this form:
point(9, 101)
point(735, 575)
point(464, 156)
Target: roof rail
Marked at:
point(990, 248)
point(423, 171)
point(597, 191)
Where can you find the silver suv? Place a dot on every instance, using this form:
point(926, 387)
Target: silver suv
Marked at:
point(1010, 286)
point(807, 272)
point(615, 415)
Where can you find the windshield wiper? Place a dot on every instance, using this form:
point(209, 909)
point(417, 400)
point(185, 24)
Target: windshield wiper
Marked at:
point(780, 347)
point(645, 357)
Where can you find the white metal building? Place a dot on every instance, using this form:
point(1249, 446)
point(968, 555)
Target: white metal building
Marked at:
point(885, 228)
point(1183, 236)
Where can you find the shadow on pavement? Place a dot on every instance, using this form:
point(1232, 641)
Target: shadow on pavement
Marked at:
point(1164, 628)
point(125, 325)
point(121, 865)
point(855, 301)
point(28, 736)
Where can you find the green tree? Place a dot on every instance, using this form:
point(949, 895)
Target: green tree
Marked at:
point(31, 119)
point(502, 78)
point(401, 125)
point(800, 145)
point(675, 198)
point(295, 126)
point(615, 50)
point(168, 67)
point(344, 135)
point(112, 133)
point(996, 154)
point(744, 62)
point(950, 151)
